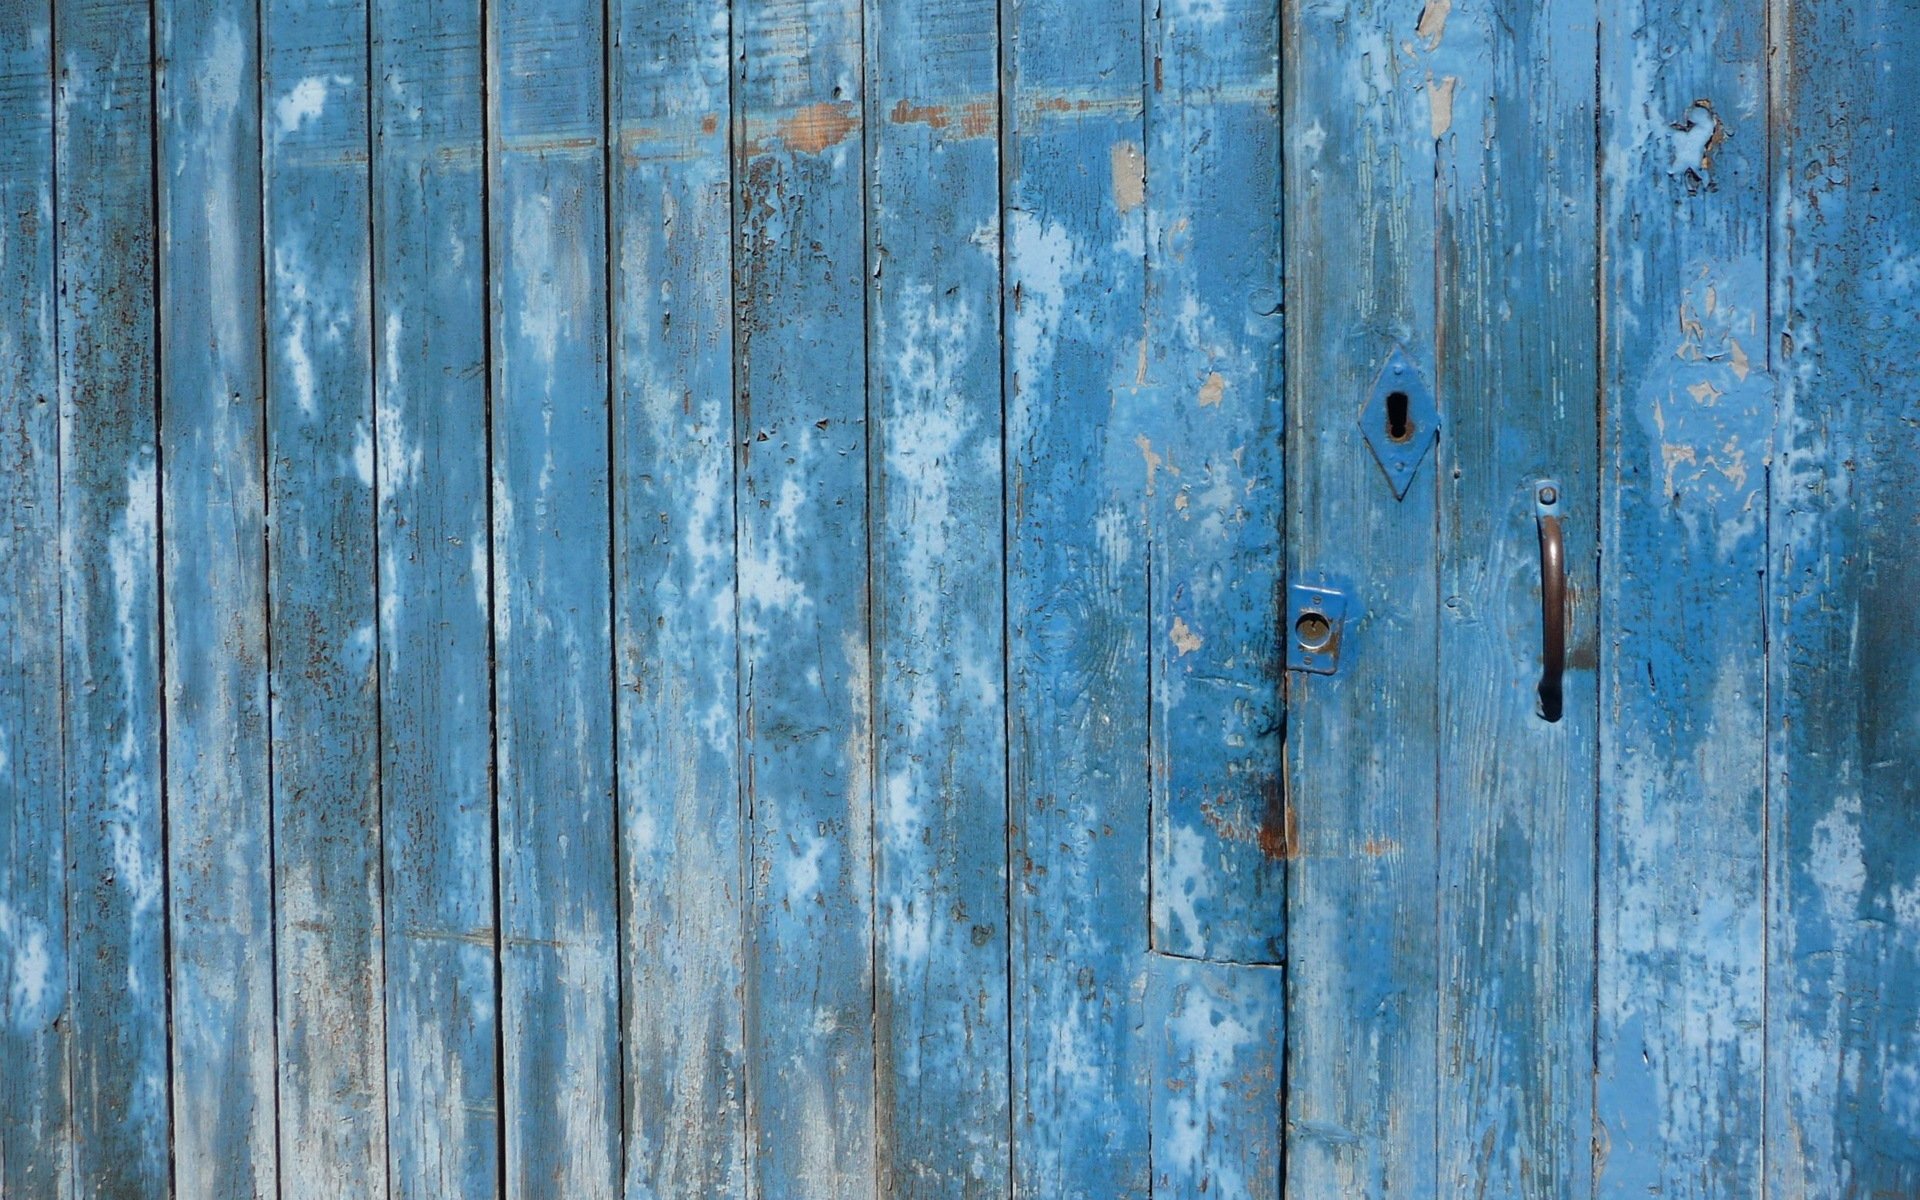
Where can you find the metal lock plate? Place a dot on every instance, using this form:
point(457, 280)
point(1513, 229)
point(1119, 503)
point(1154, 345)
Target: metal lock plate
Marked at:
point(1400, 420)
point(1316, 623)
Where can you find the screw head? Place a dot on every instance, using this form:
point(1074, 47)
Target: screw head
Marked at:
point(1549, 496)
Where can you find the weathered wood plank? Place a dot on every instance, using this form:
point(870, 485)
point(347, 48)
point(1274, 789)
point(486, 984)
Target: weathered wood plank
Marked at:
point(552, 582)
point(1077, 594)
point(1684, 445)
point(800, 425)
point(1513, 113)
point(940, 702)
point(1843, 1014)
point(322, 574)
point(111, 677)
point(1361, 949)
point(34, 1030)
point(1216, 1100)
point(1214, 503)
point(681, 823)
point(213, 452)
point(430, 421)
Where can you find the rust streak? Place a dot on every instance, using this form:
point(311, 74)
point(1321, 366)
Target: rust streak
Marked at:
point(817, 127)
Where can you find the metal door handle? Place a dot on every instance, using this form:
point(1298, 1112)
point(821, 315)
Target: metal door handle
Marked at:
point(1553, 597)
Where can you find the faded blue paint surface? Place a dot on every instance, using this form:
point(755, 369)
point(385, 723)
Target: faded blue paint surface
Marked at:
point(685, 599)
point(213, 484)
point(1684, 448)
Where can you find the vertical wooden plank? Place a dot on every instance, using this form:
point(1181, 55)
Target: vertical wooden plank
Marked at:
point(1077, 594)
point(1216, 1103)
point(430, 421)
point(213, 447)
point(1362, 956)
point(1513, 112)
point(110, 598)
point(322, 568)
point(940, 844)
point(34, 1030)
point(800, 423)
point(552, 582)
point(1214, 505)
point(1683, 515)
point(1214, 520)
point(681, 834)
point(1843, 1015)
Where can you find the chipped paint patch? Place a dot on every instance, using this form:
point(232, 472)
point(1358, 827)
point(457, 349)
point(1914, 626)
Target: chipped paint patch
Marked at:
point(1128, 168)
point(1184, 638)
point(1213, 390)
point(1440, 104)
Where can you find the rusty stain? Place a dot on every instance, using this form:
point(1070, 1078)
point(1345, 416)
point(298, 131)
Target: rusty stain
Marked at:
point(1374, 847)
point(813, 128)
point(1213, 390)
point(1279, 825)
point(907, 113)
point(976, 117)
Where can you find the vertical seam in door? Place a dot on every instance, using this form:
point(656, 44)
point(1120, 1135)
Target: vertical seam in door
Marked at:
point(1775, 217)
point(160, 573)
point(1002, 137)
point(607, 162)
point(1281, 683)
point(1600, 592)
point(60, 590)
point(493, 615)
point(1441, 453)
point(742, 687)
point(882, 1142)
point(266, 571)
point(379, 632)
point(1146, 30)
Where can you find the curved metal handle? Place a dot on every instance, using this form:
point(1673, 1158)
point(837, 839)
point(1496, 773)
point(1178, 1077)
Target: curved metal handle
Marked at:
point(1553, 597)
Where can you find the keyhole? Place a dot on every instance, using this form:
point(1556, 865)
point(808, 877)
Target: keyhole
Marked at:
point(1313, 629)
point(1399, 429)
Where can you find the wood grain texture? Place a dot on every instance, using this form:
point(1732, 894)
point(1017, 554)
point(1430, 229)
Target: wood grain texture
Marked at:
point(1211, 172)
point(1361, 942)
point(1076, 483)
point(322, 572)
point(681, 822)
point(431, 474)
point(552, 584)
point(213, 451)
point(933, 354)
point(111, 674)
point(1684, 444)
point(1517, 358)
point(801, 432)
point(34, 1029)
point(1843, 1015)
point(1215, 1107)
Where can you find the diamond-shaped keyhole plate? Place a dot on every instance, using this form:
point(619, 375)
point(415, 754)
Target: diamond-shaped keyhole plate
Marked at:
point(1399, 420)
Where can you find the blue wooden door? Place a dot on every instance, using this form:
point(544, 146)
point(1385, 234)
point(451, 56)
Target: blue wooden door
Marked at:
point(957, 598)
